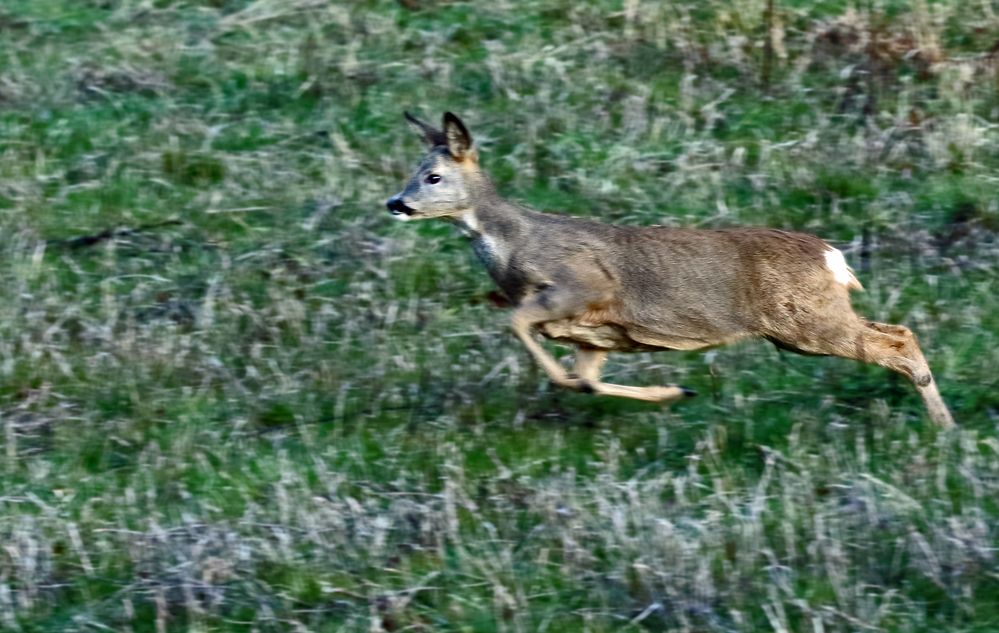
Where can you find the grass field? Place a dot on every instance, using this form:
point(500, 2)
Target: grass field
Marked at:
point(235, 395)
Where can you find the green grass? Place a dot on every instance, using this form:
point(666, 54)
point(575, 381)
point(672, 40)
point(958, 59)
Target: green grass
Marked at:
point(253, 402)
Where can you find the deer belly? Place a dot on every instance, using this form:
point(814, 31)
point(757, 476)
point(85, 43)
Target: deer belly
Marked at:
point(630, 337)
point(608, 336)
point(677, 340)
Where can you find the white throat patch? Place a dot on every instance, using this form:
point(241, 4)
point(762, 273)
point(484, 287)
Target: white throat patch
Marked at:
point(469, 224)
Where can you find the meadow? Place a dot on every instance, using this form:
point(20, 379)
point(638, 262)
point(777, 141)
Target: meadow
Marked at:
point(236, 395)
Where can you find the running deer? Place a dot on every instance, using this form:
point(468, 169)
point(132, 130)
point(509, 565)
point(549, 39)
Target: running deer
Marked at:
point(606, 288)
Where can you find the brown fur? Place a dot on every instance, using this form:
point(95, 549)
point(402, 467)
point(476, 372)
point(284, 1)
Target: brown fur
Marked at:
point(609, 288)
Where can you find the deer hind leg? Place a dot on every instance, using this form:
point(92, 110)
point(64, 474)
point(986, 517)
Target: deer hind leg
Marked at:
point(895, 347)
point(891, 346)
point(590, 361)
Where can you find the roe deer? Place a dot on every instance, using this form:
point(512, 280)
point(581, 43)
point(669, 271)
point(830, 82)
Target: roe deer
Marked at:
point(607, 288)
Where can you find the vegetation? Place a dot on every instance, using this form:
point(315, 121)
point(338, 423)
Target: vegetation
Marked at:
point(236, 396)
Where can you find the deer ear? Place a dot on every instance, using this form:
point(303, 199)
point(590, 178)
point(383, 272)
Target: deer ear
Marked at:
point(459, 141)
point(430, 134)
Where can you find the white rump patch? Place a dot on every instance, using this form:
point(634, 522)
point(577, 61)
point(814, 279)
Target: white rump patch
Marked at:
point(842, 273)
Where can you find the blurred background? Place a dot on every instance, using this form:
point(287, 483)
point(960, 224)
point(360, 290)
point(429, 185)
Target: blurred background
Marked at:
point(235, 395)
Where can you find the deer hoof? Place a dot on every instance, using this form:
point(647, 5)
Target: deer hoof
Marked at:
point(688, 393)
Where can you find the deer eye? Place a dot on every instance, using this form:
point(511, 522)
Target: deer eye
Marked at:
point(432, 179)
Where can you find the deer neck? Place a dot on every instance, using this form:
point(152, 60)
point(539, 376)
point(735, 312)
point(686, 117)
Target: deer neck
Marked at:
point(495, 226)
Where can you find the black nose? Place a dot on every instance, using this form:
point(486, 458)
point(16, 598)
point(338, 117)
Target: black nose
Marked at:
point(397, 206)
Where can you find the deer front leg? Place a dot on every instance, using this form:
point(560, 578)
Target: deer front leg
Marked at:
point(588, 365)
point(523, 322)
point(552, 304)
point(563, 299)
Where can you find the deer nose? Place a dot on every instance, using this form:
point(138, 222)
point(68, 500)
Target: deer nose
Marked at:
point(397, 206)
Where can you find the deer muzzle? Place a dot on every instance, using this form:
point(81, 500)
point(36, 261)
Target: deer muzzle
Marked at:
point(398, 207)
